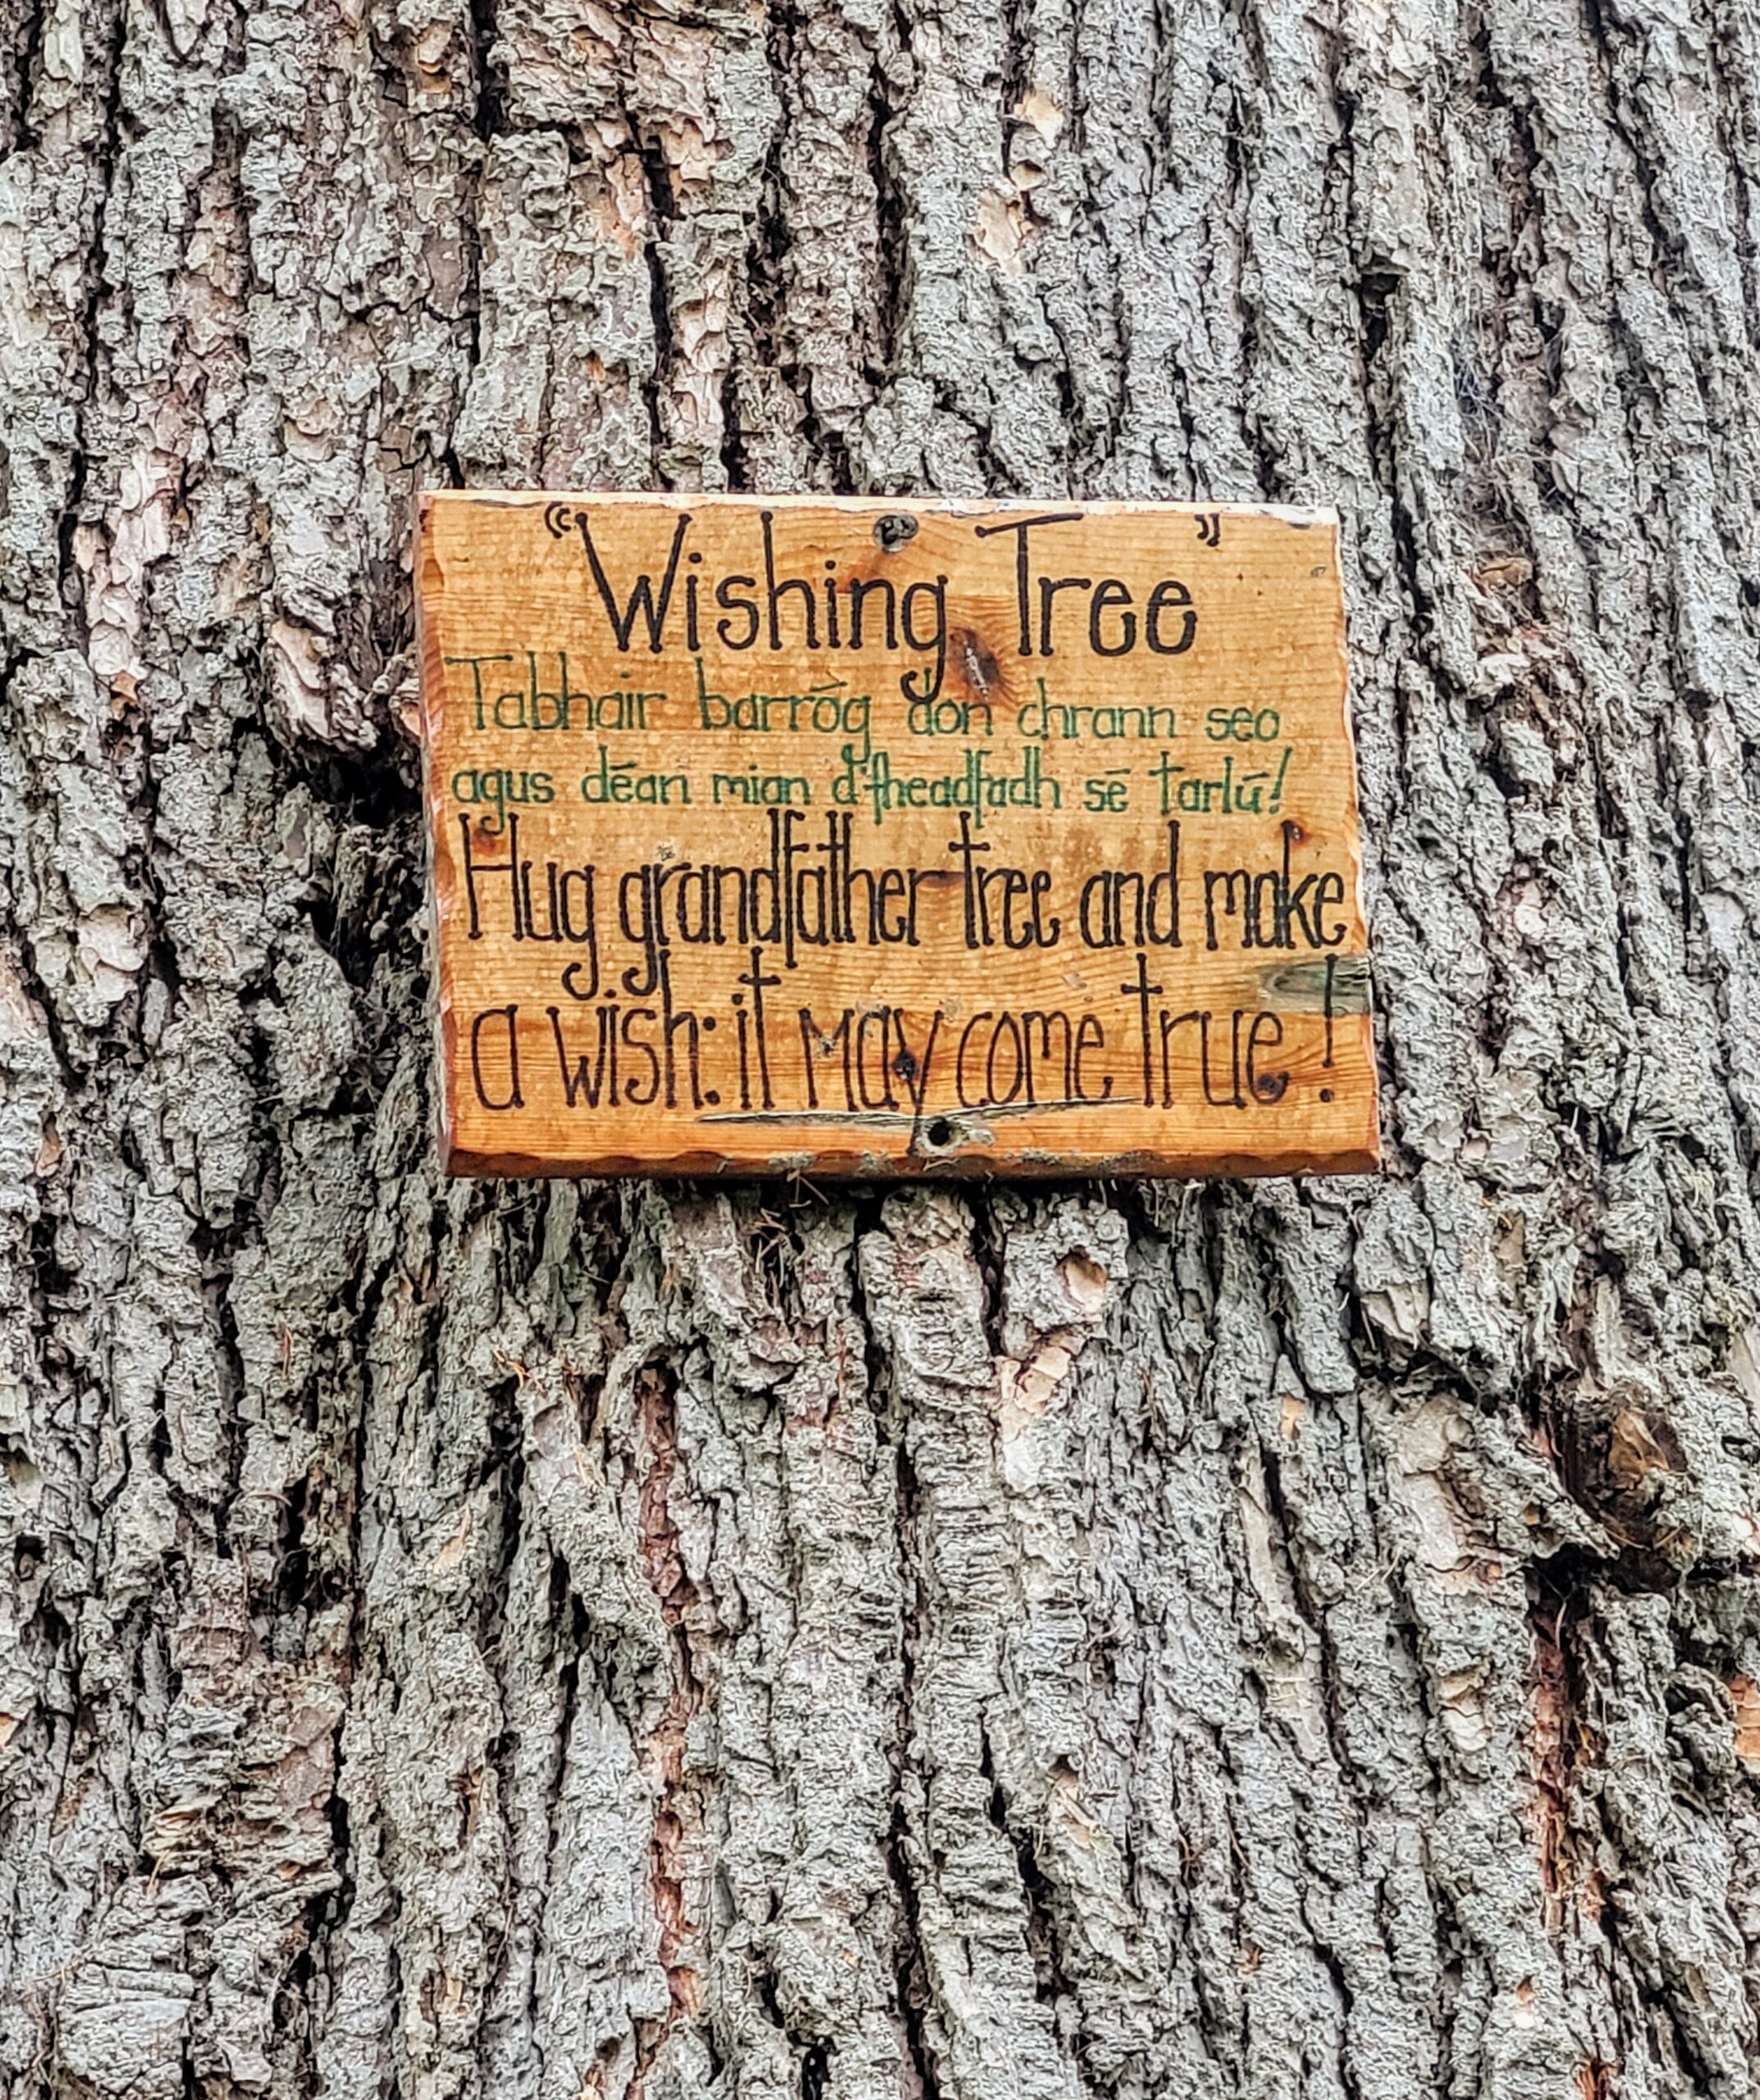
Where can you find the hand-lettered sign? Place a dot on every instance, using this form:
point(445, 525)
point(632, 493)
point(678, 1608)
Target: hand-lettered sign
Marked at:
point(778, 834)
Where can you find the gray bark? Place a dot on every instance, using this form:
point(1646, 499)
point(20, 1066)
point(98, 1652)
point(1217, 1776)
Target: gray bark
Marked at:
point(1262, 1642)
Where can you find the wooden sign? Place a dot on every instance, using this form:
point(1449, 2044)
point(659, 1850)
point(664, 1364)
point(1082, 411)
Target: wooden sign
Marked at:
point(784, 834)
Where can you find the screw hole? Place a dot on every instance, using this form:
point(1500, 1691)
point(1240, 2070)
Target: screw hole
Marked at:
point(940, 1132)
point(891, 532)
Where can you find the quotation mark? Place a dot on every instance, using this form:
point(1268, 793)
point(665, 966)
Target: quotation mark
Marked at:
point(1210, 527)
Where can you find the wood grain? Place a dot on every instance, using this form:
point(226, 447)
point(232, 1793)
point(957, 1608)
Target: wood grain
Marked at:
point(872, 837)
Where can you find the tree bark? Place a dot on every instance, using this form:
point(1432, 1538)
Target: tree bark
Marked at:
point(1257, 1642)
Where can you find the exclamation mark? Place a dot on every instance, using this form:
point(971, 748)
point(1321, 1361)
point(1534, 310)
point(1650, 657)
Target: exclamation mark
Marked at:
point(1331, 965)
point(1277, 792)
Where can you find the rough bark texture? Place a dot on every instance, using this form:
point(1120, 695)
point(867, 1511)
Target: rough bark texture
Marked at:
point(556, 1643)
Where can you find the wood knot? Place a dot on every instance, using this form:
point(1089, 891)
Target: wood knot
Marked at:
point(1622, 1461)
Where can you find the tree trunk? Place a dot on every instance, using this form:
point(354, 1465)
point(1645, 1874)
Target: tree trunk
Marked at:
point(1254, 1642)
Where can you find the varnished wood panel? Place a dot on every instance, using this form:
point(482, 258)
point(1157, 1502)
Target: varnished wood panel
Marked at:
point(868, 837)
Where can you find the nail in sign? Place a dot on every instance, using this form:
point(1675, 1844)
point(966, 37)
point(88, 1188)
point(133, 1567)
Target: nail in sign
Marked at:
point(847, 836)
